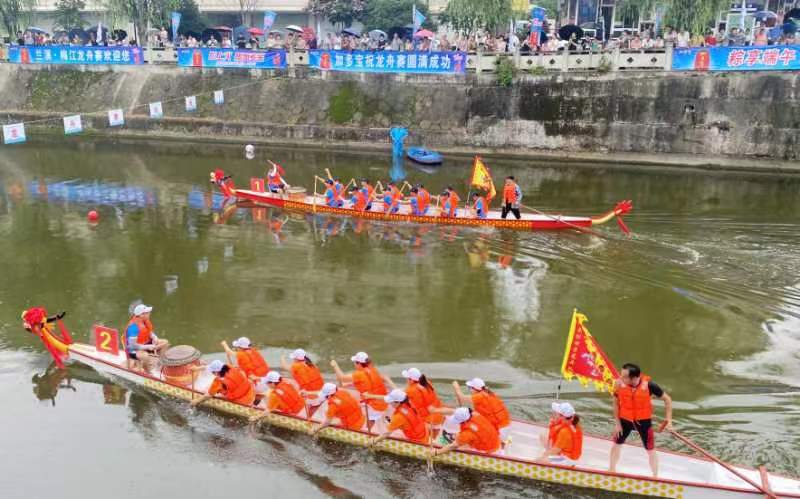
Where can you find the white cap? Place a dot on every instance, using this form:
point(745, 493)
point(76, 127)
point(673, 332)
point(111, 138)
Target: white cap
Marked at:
point(450, 425)
point(141, 309)
point(328, 389)
point(395, 396)
point(298, 354)
point(412, 374)
point(272, 377)
point(461, 415)
point(476, 383)
point(215, 366)
point(564, 408)
point(360, 357)
point(242, 342)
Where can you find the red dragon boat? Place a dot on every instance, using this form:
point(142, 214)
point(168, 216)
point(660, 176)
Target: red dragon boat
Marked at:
point(296, 199)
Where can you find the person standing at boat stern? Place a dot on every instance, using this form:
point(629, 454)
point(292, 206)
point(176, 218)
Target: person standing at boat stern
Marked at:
point(140, 340)
point(512, 196)
point(248, 359)
point(564, 441)
point(229, 382)
point(369, 382)
point(633, 410)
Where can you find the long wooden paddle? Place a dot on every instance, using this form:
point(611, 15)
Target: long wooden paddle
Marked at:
point(764, 490)
point(560, 220)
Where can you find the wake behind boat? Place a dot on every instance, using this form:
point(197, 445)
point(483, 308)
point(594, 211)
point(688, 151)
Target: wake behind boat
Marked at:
point(680, 476)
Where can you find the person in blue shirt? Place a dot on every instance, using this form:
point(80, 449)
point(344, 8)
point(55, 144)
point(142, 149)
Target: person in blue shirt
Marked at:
point(332, 199)
point(479, 205)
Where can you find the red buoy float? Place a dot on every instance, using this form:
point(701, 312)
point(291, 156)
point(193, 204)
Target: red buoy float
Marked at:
point(92, 216)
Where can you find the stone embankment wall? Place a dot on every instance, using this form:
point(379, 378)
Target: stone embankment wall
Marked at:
point(755, 114)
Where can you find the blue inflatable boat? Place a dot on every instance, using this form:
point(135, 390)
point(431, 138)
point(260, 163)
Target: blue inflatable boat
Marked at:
point(424, 156)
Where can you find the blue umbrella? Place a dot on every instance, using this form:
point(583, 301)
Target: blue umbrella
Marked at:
point(34, 29)
point(764, 15)
point(351, 32)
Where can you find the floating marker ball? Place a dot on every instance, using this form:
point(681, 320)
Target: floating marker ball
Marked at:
point(249, 151)
point(93, 216)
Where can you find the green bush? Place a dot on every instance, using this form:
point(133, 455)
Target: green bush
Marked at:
point(505, 72)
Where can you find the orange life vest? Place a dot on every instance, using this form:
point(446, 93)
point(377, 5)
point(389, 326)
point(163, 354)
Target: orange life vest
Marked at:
point(573, 436)
point(510, 193)
point(145, 330)
point(274, 180)
point(285, 398)
point(360, 202)
point(252, 363)
point(368, 380)
point(344, 406)
point(234, 386)
point(492, 408)
point(635, 403)
point(452, 204)
point(423, 200)
point(484, 435)
point(422, 399)
point(413, 425)
point(308, 377)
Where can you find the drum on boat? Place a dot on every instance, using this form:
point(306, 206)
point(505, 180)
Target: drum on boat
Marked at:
point(296, 193)
point(177, 363)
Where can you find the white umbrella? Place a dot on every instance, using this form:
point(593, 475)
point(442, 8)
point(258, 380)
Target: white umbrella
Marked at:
point(295, 28)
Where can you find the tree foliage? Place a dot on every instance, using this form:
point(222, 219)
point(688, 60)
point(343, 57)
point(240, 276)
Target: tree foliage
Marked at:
point(68, 14)
point(14, 12)
point(156, 13)
point(387, 14)
point(192, 21)
point(695, 16)
point(341, 12)
point(469, 15)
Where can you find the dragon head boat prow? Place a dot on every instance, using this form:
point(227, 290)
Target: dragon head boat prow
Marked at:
point(223, 181)
point(36, 321)
point(622, 208)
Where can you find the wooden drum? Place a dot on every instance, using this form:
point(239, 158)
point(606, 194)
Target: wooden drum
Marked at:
point(177, 363)
point(296, 193)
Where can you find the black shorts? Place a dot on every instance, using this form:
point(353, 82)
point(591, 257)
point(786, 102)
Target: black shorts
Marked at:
point(645, 429)
point(132, 355)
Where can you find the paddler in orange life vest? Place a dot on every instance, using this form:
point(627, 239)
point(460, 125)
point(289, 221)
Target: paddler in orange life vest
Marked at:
point(369, 383)
point(230, 383)
point(332, 199)
point(248, 359)
point(369, 191)
point(342, 407)
point(283, 397)
point(141, 343)
point(420, 201)
point(422, 396)
point(275, 181)
point(487, 404)
point(358, 200)
point(391, 198)
point(404, 418)
point(475, 432)
point(633, 410)
point(479, 205)
point(564, 441)
point(512, 197)
point(449, 201)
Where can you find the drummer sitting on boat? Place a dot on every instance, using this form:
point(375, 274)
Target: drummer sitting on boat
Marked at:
point(140, 340)
point(229, 382)
point(564, 441)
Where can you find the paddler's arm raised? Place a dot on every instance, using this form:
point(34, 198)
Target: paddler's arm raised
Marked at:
point(230, 354)
point(389, 381)
point(340, 375)
point(462, 400)
point(284, 364)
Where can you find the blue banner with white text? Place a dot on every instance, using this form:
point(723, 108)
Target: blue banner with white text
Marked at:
point(386, 61)
point(231, 58)
point(67, 54)
point(752, 58)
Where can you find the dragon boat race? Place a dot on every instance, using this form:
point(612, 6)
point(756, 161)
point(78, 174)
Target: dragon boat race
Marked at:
point(400, 249)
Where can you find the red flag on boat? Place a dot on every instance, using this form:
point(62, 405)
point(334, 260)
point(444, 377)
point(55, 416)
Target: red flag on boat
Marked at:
point(482, 178)
point(585, 360)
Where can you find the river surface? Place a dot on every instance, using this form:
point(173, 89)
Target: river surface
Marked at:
point(705, 296)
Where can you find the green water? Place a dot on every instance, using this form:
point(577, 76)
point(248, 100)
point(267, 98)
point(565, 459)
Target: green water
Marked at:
point(705, 296)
